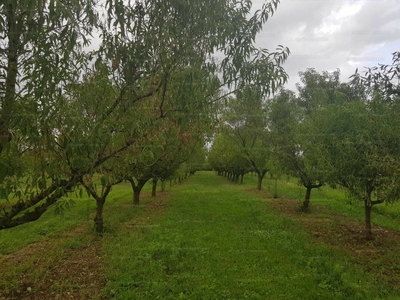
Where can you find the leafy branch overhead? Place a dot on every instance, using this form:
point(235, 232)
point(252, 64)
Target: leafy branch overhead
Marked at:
point(69, 113)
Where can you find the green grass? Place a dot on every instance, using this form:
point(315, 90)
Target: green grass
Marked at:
point(51, 225)
point(211, 239)
point(384, 215)
point(217, 242)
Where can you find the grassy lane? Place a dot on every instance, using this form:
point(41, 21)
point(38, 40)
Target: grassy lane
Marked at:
point(81, 213)
point(217, 242)
point(385, 215)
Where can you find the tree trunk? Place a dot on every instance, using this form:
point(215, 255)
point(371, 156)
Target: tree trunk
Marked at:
point(100, 200)
point(241, 178)
point(136, 189)
point(368, 229)
point(14, 38)
point(98, 219)
point(154, 187)
point(307, 197)
point(136, 196)
point(276, 188)
point(260, 176)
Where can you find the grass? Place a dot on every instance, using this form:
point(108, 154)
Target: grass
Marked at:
point(384, 215)
point(59, 256)
point(204, 239)
point(217, 242)
point(52, 224)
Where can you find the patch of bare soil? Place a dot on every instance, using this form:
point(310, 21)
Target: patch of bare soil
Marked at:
point(70, 266)
point(160, 202)
point(154, 207)
point(60, 268)
point(378, 256)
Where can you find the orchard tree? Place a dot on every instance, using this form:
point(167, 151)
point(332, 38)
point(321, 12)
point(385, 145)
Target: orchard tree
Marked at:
point(293, 145)
point(228, 158)
point(217, 156)
point(246, 121)
point(166, 146)
point(290, 117)
point(317, 90)
point(359, 147)
point(144, 46)
point(197, 159)
point(73, 140)
point(41, 52)
point(98, 185)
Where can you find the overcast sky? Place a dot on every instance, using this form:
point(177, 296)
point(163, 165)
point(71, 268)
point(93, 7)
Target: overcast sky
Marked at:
point(327, 35)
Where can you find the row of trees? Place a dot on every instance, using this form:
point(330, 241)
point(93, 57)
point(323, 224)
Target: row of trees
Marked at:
point(135, 109)
point(341, 134)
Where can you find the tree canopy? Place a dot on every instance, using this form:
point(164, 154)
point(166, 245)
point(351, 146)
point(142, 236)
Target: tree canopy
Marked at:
point(68, 113)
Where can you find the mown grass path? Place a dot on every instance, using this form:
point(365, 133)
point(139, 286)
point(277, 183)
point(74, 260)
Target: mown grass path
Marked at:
point(214, 241)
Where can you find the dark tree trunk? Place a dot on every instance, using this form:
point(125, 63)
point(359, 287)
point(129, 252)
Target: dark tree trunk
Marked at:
point(100, 200)
point(368, 204)
point(98, 219)
point(368, 229)
point(309, 187)
point(260, 176)
point(241, 177)
point(154, 187)
point(306, 201)
point(14, 35)
point(276, 188)
point(136, 196)
point(136, 189)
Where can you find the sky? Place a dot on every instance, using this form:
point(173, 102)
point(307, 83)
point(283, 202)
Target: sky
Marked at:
point(333, 34)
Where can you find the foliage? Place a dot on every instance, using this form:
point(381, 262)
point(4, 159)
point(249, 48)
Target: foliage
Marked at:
point(246, 122)
point(383, 78)
point(358, 146)
point(155, 60)
point(226, 156)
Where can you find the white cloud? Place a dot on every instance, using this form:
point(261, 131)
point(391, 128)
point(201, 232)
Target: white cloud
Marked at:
point(327, 35)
